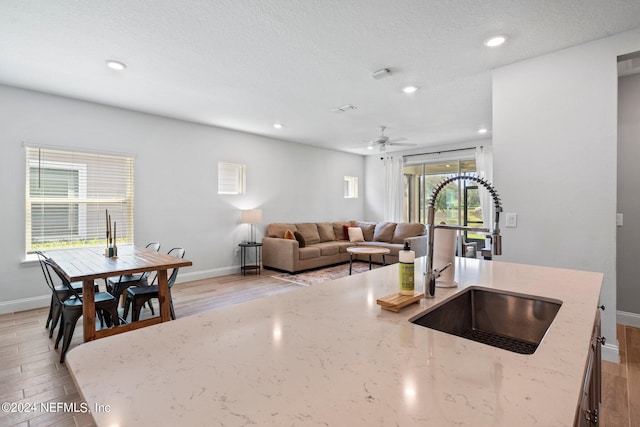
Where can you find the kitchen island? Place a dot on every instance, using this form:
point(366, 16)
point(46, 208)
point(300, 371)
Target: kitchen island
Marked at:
point(329, 355)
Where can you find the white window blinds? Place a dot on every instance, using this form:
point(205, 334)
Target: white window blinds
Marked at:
point(231, 178)
point(67, 193)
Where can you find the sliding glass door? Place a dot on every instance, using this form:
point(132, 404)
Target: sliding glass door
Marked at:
point(457, 204)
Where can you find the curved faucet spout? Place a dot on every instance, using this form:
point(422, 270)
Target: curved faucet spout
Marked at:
point(495, 233)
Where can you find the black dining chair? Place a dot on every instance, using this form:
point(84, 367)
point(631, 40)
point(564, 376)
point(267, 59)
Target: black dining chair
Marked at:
point(60, 293)
point(138, 296)
point(117, 286)
point(72, 308)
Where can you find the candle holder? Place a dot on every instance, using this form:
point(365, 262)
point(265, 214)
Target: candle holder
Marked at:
point(112, 249)
point(111, 252)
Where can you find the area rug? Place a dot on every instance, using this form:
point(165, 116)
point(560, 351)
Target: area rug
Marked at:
point(313, 277)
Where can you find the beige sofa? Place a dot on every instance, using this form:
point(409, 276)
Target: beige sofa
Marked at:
point(326, 243)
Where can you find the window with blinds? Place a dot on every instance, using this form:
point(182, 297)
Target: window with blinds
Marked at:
point(67, 194)
point(231, 178)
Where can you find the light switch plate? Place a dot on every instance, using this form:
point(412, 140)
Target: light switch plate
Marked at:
point(512, 220)
point(619, 219)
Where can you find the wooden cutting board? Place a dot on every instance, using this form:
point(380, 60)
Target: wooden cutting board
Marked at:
point(396, 302)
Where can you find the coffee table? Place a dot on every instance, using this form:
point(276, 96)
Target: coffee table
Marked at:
point(366, 250)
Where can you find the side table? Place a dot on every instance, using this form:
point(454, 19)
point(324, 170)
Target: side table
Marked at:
point(243, 257)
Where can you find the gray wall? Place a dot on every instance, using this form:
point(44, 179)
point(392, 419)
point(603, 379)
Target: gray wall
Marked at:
point(628, 245)
point(555, 159)
point(176, 200)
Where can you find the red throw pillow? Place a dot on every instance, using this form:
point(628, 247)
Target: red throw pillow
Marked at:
point(345, 231)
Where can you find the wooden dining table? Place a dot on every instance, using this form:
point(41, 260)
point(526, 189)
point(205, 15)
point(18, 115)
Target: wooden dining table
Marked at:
point(88, 264)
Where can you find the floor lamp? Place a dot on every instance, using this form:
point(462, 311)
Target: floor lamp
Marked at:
point(251, 216)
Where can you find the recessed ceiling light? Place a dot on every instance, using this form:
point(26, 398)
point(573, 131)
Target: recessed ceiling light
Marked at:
point(409, 89)
point(482, 130)
point(277, 125)
point(116, 65)
point(495, 41)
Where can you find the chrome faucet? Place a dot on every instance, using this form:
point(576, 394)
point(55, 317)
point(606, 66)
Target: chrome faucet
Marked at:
point(496, 239)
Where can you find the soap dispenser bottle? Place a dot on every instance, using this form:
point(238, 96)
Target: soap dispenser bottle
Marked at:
point(406, 258)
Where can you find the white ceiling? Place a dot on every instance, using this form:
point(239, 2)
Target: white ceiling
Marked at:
point(245, 64)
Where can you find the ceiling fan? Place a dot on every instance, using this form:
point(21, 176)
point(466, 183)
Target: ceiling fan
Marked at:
point(383, 141)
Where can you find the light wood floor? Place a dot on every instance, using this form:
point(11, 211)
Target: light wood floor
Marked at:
point(30, 371)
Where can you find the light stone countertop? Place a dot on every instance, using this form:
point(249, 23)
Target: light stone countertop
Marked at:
point(329, 355)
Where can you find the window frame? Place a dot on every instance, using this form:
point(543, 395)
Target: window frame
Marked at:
point(91, 192)
point(350, 187)
point(231, 178)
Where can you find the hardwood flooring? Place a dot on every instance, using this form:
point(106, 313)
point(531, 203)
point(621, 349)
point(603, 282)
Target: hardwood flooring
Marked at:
point(621, 382)
point(30, 371)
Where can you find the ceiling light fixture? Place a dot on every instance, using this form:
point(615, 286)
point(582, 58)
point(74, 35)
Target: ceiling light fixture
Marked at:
point(482, 130)
point(495, 41)
point(277, 125)
point(381, 73)
point(409, 89)
point(116, 65)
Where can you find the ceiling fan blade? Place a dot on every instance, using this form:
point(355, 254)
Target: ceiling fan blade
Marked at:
point(394, 140)
point(398, 144)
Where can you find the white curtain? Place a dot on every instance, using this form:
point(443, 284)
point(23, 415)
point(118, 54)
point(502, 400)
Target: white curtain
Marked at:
point(484, 166)
point(393, 189)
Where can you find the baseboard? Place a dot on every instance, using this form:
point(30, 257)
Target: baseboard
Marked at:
point(629, 319)
point(190, 276)
point(25, 304)
point(610, 353)
point(44, 300)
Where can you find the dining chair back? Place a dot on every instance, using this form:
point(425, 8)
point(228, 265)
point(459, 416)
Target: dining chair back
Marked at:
point(117, 286)
point(138, 296)
point(59, 293)
point(72, 309)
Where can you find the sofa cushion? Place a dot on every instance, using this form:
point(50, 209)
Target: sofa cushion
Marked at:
point(300, 238)
point(405, 229)
point(393, 247)
point(325, 230)
point(340, 231)
point(355, 234)
point(343, 245)
point(289, 235)
point(278, 229)
point(309, 231)
point(368, 229)
point(383, 231)
point(309, 252)
point(327, 248)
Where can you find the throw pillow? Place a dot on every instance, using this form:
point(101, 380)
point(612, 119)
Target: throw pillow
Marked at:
point(300, 239)
point(355, 234)
point(289, 235)
point(345, 231)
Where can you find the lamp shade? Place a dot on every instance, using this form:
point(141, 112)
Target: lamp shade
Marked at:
point(251, 216)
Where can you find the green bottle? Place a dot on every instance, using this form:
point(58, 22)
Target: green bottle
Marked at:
point(406, 257)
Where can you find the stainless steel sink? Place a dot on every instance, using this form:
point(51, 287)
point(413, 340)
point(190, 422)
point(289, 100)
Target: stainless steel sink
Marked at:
point(506, 320)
